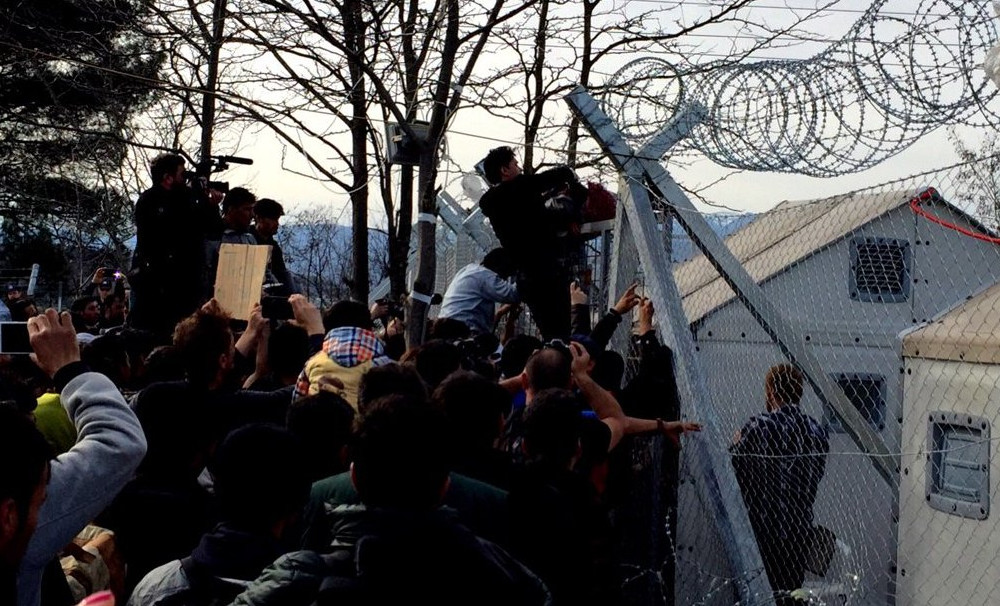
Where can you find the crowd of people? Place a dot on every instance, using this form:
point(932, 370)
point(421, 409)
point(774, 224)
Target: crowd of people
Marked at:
point(180, 457)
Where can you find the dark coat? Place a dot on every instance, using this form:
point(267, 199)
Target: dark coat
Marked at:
point(168, 266)
point(220, 567)
point(396, 557)
point(560, 530)
point(479, 506)
point(525, 227)
point(277, 267)
point(157, 519)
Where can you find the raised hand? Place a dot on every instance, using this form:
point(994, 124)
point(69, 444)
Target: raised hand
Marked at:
point(54, 340)
point(306, 315)
point(674, 429)
point(628, 300)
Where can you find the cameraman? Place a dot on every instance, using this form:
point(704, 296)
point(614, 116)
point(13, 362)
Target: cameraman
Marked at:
point(528, 227)
point(172, 224)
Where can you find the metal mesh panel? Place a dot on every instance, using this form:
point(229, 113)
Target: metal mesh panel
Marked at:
point(894, 290)
point(623, 271)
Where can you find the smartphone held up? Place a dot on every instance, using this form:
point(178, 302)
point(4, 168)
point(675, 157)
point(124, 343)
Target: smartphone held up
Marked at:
point(14, 338)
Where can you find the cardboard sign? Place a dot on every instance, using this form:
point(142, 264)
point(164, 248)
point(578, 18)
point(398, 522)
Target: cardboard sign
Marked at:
point(240, 277)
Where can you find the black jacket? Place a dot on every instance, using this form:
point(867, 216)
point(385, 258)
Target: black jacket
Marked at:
point(525, 227)
point(652, 392)
point(180, 417)
point(397, 557)
point(171, 228)
point(223, 564)
point(168, 268)
point(277, 267)
point(604, 329)
point(157, 518)
point(8, 584)
point(161, 514)
point(489, 465)
point(563, 533)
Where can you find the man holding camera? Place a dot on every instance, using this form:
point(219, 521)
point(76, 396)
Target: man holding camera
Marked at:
point(172, 224)
point(524, 214)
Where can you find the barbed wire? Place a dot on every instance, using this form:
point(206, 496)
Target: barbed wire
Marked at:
point(885, 84)
point(889, 541)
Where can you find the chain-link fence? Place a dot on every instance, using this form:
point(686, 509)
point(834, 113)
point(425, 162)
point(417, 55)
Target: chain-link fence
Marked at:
point(894, 290)
point(32, 284)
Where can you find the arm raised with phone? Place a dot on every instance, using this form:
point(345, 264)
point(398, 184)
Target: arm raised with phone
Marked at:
point(109, 447)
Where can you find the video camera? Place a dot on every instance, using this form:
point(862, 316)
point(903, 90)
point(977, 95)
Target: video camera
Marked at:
point(198, 181)
point(395, 309)
point(478, 354)
point(479, 347)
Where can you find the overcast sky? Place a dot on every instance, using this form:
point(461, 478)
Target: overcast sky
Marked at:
point(473, 131)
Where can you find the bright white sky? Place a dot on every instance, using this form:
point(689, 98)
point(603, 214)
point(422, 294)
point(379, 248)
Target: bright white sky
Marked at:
point(474, 131)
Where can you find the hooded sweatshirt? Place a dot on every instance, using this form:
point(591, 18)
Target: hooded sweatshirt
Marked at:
point(229, 555)
point(347, 354)
point(110, 444)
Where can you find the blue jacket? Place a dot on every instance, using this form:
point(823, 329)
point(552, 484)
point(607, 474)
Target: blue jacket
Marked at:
point(779, 461)
point(472, 297)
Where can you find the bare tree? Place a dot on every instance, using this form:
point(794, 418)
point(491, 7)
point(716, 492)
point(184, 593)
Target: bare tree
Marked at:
point(560, 44)
point(318, 252)
point(978, 180)
point(319, 259)
point(325, 76)
point(74, 74)
point(460, 48)
point(200, 59)
point(268, 70)
point(412, 59)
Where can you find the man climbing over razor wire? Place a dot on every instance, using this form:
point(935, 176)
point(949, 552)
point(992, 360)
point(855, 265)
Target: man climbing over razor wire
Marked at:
point(531, 215)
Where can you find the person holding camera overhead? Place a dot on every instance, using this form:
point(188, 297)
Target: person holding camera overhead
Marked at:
point(172, 224)
point(529, 212)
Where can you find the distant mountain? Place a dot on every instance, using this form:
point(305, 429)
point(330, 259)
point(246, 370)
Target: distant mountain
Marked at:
point(296, 235)
point(723, 224)
point(328, 246)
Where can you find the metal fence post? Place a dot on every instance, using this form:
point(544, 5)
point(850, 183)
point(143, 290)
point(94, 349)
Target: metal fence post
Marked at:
point(730, 269)
point(33, 279)
point(716, 479)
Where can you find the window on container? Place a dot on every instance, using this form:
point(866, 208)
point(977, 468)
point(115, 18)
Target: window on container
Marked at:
point(880, 270)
